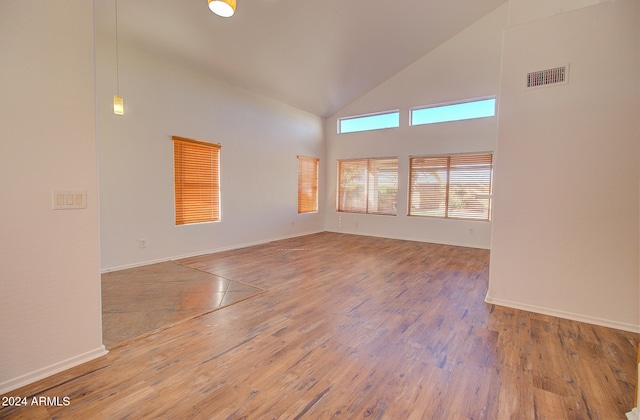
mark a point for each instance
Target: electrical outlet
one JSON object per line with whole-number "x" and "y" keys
{"x": 142, "y": 243}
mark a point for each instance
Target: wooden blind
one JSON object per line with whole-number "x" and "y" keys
{"x": 368, "y": 186}
{"x": 307, "y": 184}
{"x": 197, "y": 181}
{"x": 456, "y": 186}
{"x": 352, "y": 182}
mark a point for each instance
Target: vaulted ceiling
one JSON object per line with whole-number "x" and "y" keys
{"x": 317, "y": 56}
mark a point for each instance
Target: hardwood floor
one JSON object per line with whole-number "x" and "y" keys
{"x": 352, "y": 327}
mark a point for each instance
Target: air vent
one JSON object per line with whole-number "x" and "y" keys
{"x": 555, "y": 76}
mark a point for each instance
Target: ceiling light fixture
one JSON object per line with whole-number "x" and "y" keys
{"x": 224, "y": 8}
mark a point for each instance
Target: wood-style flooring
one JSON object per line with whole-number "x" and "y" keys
{"x": 354, "y": 327}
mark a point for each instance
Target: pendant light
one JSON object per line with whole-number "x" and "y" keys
{"x": 224, "y": 8}
{"x": 118, "y": 102}
{"x": 118, "y": 105}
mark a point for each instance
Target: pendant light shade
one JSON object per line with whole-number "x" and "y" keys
{"x": 224, "y": 8}
{"x": 118, "y": 105}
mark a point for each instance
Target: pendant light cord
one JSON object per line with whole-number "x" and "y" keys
{"x": 117, "y": 54}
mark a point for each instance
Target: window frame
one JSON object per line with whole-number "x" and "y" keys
{"x": 196, "y": 186}
{"x": 308, "y": 181}
{"x": 371, "y": 201}
{"x": 448, "y": 195}
{"x": 440, "y": 106}
{"x": 368, "y": 116}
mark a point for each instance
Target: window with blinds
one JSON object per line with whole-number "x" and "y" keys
{"x": 456, "y": 186}
{"x": 307, "y": 184}
{"x": 368, "y": 186}
{"x": 196, "y": 166}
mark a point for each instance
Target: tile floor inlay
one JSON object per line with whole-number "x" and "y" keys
{"x": 143, "y": 299}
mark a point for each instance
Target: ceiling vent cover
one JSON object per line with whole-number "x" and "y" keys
{"x": 554, "y": 76}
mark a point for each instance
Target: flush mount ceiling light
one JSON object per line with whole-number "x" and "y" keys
{"x": 224, "y": 8}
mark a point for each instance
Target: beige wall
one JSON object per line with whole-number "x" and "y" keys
{"x": 523, "y": 11}
{"x": 165, "y": 96}
{"x": 465, "y": 67}
{"x": 565, "y": 228}
{"x": 49, "y": 262}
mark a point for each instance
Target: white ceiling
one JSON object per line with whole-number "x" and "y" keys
{"x": 314, "y": 55}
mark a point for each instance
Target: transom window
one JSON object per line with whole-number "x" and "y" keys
{"x": 454, "y": 112}
{"x": 368, "y": 186}
{"x": 456, "y": 186}
{"x": 390, "y": 119}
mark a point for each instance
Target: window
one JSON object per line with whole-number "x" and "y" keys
{"x": 307, "y": 184}
{"x": 196, "y": 166}
{"x": 457, "y": 186}
{"x": 454, "y": 112}
{"x": 368, "y": 122}
{"x": 368, "y": 186}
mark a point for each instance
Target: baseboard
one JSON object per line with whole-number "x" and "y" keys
{"x": 635, "y": 328}
{"x": 47, "y": 371}
{"x": 264, "y": 241}
{"x": 408, "y": 238}
{"x": 203, "y": 252}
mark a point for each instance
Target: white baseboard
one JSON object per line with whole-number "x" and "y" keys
{"x": 635, "y": 328}
{"x": 203, "y": 252}
{"x": 47, "y": 371}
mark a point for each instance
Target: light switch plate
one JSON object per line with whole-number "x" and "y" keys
{"x": 66, "y": 199}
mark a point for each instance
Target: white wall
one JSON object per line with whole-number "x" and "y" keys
{"x": 260, "y": 142}
{"x": 467, "y": 66}
{"x": 49, "y": 260}
{"x": 566, "y": 182}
